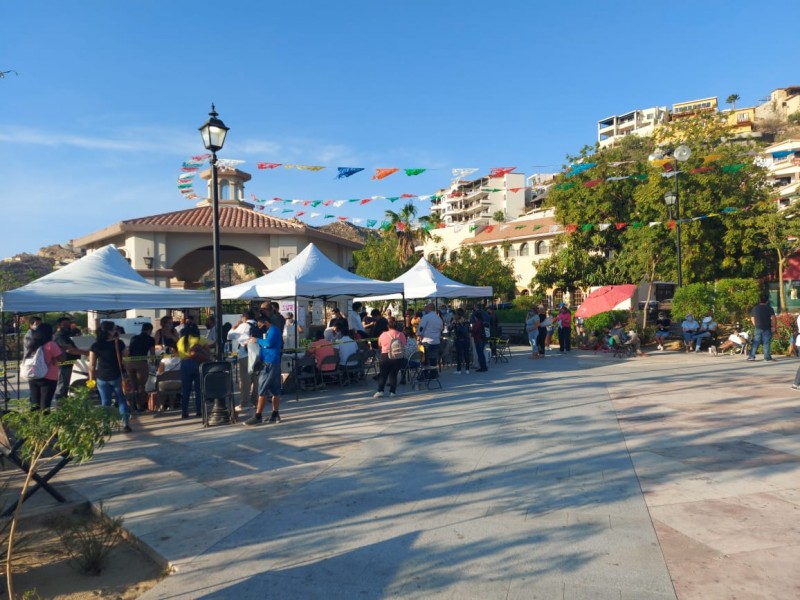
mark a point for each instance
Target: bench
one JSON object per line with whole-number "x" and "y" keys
{"x": 515, "y": 332}
{"x": 10, "y": 450}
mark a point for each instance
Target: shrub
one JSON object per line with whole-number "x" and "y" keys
{"x": 735, "y": 298}
{"x": 606, "y": 320}
{"x": 782, "y": 337}
{"x": 525, "y": 302}
{"x": 695, "y": 298}
{"x": 89, "y": 546}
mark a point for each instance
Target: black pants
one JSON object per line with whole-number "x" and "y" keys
{"x": 42, "y": 391}
{"x": 64, "y": 375}
{"x": 389, "y": 370}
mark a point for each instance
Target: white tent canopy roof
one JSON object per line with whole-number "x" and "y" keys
{"x": 423, "y": 280}
{"x": 100, "y": 281}
{"x": 310, "y": 274}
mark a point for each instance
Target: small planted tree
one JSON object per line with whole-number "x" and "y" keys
{"x": 695, "y": 298}
{"x": 75, "y": 429}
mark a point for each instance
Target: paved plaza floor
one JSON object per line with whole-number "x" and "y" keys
{"x": 576, "y": 476}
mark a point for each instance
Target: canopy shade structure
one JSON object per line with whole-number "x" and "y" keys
{"x": 101, "y": 281}
{"x": 606, "y": 298}
{"x": 310, "y": 274}
{"x": 423, "y": 280}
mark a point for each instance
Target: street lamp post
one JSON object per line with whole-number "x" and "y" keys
{"x": 213, "y": 133}
{"x": 673, "y": 198}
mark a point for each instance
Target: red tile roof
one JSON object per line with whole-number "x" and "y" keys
{"x": 231, "y": 218}
{"x": 515, "y": 230}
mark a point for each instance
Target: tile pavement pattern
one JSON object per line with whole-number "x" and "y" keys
{"x": 581, "y": 476}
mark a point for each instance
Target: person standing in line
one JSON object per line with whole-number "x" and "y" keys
{"x": 564, "y": 319}
{"x": 479, "y": 337}
{"x": 429, "y": 333}
{"x": 42, "y": 389}
{"x": 391, "y": 359}
{"x": 211, "y": 336}
{"x": 461, "y": 333}
{"x": 354, "y": 325}
{"x": 241, "y": 335}
{"x": 141, "y": 349}
{"x": 532, "y": 329}
{"x": 541, "y": 340}
{"x": 63, "y": 337}
{"x": 105, "y": 367}
{"x": 190, "y": 367}
{"x": 765, "y": 323}
{"x": 269, "y": 379}
{"x": 33, "y": 324}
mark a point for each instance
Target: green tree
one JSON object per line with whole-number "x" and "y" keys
{"x": 735, "y": 298}
{"x": 765, "y": 229}
{"x": 409, "y": 230}
{"x": 76, "y": 429}
{"x": 715, "y": 181}
{"x": 733, "y": 99}
{"x": 569, "y": 268}
{"x": 477, "y": 265}
{"x": 499, "y": 216}
{"x": 377, "y": 259}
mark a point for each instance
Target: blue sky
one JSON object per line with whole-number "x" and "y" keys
{"x": 109, "y": 95}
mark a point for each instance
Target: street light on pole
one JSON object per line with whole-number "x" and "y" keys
{"x": 213, "y": 133}
{"x": 672, "y": 198}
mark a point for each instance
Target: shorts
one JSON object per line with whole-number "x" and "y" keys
{"x": 662, "y": 333}
{"x": 269, "y": 380}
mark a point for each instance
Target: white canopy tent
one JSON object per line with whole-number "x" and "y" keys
{"x": 310, "y": 274}
{"x": 102, "y": 281}
{"x": 423, "y": 280}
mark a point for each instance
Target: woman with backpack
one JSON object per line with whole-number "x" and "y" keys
{"x": 105, "y": 367}
{"x": 43, "y": 356}
{"x": 392, "y": 345}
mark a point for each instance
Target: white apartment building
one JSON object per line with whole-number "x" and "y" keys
{"x": 476, "y": 201}
{"x": 782, "y": 160}
{"x": 637, "y": 122}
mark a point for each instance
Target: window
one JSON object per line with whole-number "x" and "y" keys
{"x": 578, "y": 296}
{"x": 558, "y": 296}
{"x": 543, "y": 247}
{"x": 523, "y": 249}
{"x": 454, "y": 256}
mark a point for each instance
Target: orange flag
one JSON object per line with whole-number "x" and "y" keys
{"x": 383, "y": 173}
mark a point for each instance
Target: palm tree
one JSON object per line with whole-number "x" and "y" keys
{"x": 733, "y": 99}
{"x": 409, "y": 230}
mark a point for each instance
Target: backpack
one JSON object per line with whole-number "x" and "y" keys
{"x": 396, "y": 349}
{"x": 34, "y": 367}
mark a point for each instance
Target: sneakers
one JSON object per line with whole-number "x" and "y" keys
{"x": 713, "y": 350}
{"x": 796, "y": 388}
{"x": 459, "y": 372}
{"x": 378, "y": 395}
{"x": 241, "y": 408}
{"x": 750, "y": 358}
{"x": 254, "y": 420}
{"x": 697, "y": 349}
{"x": 467, "y": 371}
{"x": 127, "y": 429}
{"x": 660, "y": 347}
{"x": 392, "y": 395}
{"x": 275, "y": 417}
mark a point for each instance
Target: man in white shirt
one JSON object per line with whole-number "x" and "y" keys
{"x": 354, "y": 320}
{"x": 241, "y": 334}
{"x": 429, "y": 332}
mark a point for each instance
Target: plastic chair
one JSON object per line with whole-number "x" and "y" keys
{"x": 216, "y": 383}
{"x": 168, "y": 389}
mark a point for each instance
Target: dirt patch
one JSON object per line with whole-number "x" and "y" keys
{"x": 44, "y": 566}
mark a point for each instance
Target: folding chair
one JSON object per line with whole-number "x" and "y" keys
{"x": 330, "y": 375}
{"x": 216, "y": 385}
{"x": 413, "y": 363}
{"x": 305, "y": 373}
{"x": 353, "y": 368}
{"x": 10, "y": 450}
{"x": 502, "y": 349}
{"x": 371, "y": 362}
{"x": 168, "y": 390}
{"x": 426, "y": 373}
